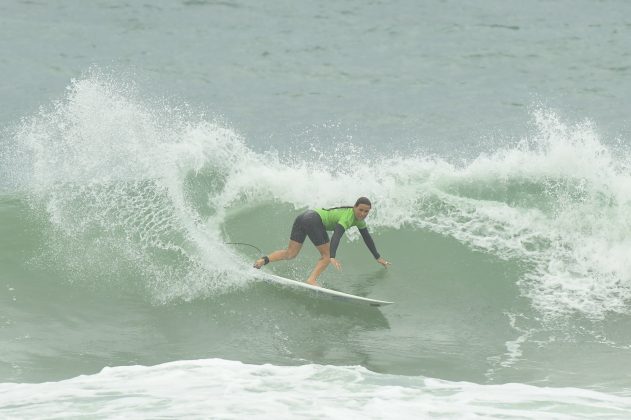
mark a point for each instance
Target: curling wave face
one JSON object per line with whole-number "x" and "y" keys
{"x": 146, "y": 187}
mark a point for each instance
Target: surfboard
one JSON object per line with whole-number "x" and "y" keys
{"x": 320, "y": 291}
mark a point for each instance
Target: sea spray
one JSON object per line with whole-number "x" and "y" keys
{"x": 108, "y": 171}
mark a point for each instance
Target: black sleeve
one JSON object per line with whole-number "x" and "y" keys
{"x": 369, "y": 242}
{"x": 335, "y": 240}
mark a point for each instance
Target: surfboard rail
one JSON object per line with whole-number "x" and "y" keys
{"x": 329, "y": 293}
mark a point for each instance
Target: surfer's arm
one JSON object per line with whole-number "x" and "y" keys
{"x": 335, "y": 239}
{"x": 369, "y": 242}
{"x": 371, "y": 246}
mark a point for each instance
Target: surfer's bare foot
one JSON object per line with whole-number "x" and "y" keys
{"x": 313, "y": 283}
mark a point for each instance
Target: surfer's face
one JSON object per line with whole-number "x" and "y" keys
{"x": 361, "y": 211}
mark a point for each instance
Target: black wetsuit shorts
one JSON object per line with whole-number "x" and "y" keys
{"x": 309, "y": 224}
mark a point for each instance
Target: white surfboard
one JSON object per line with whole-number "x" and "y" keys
{"x": 321, "y": 291}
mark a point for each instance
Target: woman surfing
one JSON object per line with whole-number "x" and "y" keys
{"x": 315, "y": 224}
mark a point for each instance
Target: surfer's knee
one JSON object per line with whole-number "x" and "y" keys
{"x": 290, "y": 254}
{"x": 325, "y": 251}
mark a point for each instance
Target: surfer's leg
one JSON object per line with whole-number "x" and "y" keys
{"x": 317, "y": 233}
{"x": 322, "y": 264}
{"x": 296, "y": 239}
{"x": 286, "y": 254}
{"x": 282, "y": 254}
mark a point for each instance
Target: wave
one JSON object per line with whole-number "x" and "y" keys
{"x": 142, "y": 189}
{"x": 227, "y": 389}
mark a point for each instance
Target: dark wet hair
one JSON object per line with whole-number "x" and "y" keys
{"x": 363, "y": 200}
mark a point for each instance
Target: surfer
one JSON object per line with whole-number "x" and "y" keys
{"x": 315, "y": 224}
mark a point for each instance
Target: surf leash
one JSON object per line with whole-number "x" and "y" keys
{"x": 243, "y": 243}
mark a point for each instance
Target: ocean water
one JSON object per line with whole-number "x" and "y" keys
{"x": 142, "y": 144}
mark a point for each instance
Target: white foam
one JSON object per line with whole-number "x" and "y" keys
{"x": 224, "y": 389}
{"x": 109, "y": 169}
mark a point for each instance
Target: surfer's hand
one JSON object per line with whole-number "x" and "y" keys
{"x": 336, "y": 264}
{"x": 383, "y": 262}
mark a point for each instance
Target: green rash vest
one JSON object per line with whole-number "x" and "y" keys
{"x": 345, "y": 217}
{"x": 342, "y": 215}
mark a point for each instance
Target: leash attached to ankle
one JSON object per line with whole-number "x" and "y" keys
{"x": 265, "y": 259}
